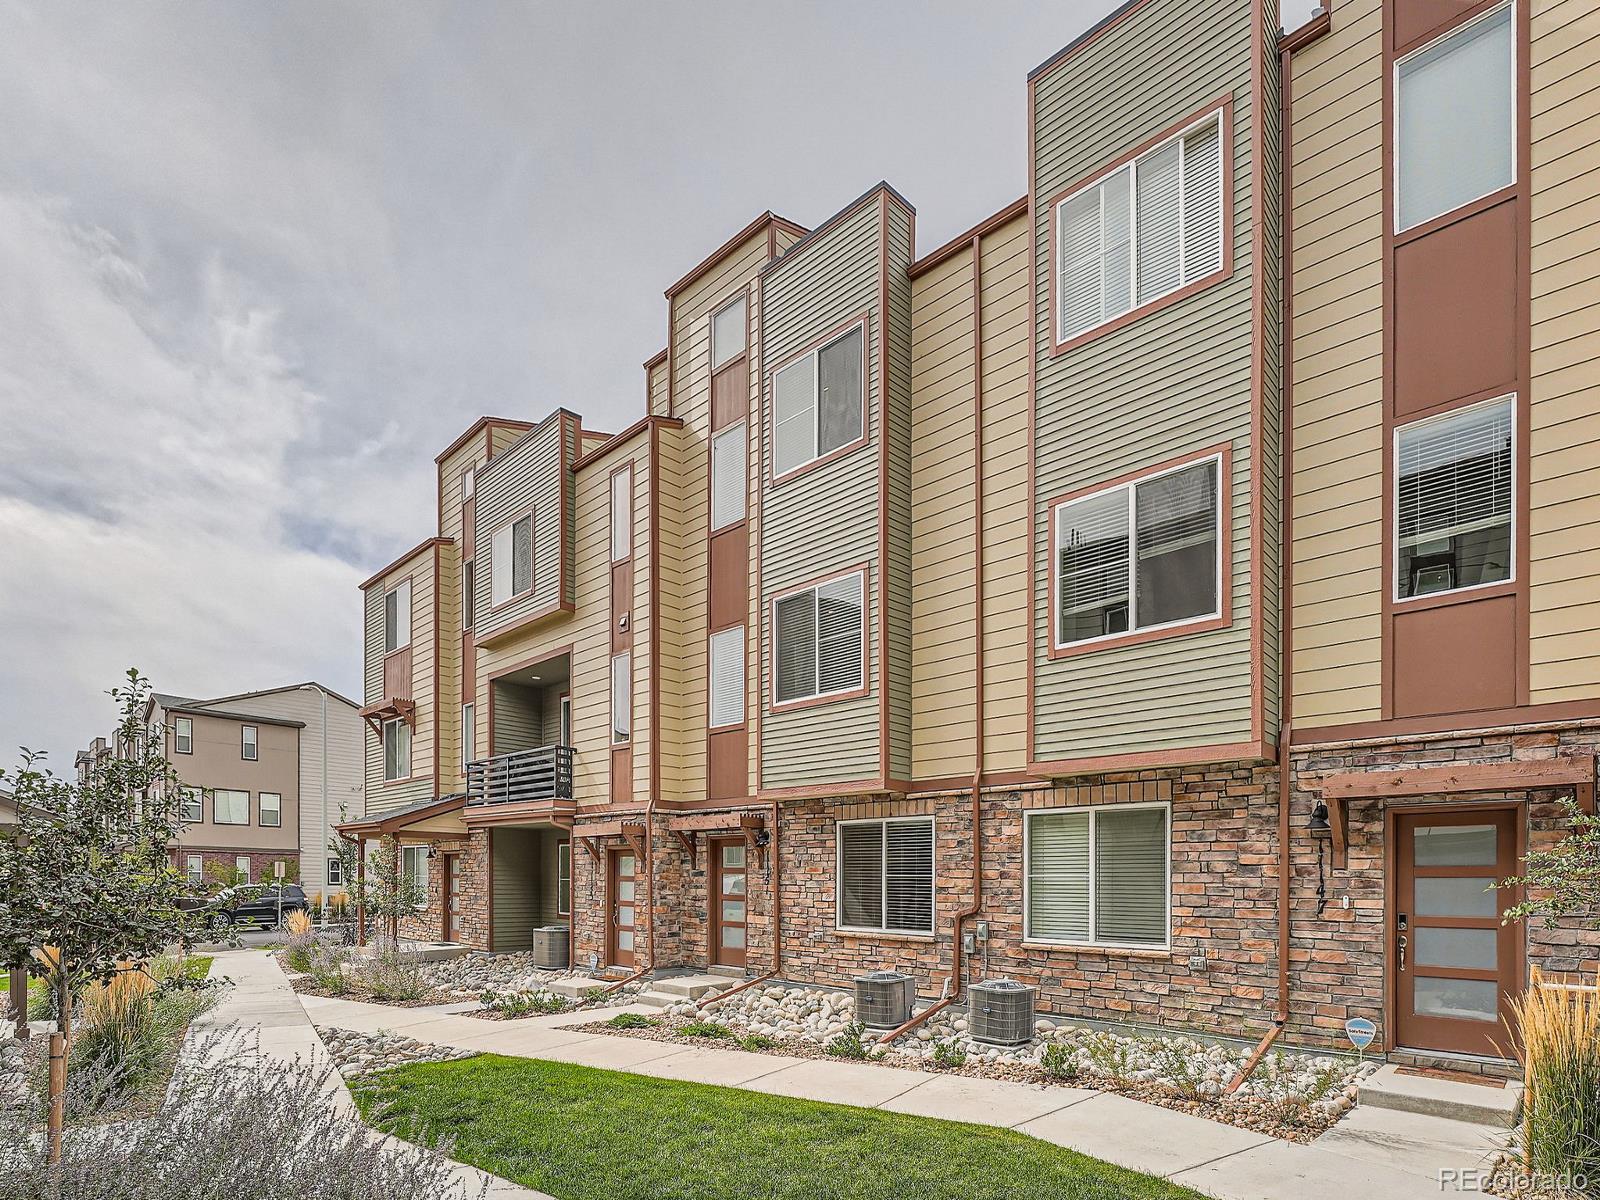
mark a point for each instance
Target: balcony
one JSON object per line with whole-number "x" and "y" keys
{"x": 540, "y": 775}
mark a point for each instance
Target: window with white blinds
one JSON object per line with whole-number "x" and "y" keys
{"x": 397, "y": 617}
{"x": 819, "y": 634}
{"x": 885, "y": 875}
{"x": 622, "y": 515}
{"x": 727, "y": 676}
{"x": 817, "y": 402}
{"x": 621, "y": 698}
{"x": 1098, "y": 876}
{"x": 727, "y": 333}
{"x": 727, "y": 477}
{"x": 511, "y": 560}
{"x": 1455, "y": 488}
{"x": 1141, "y": 232}
{"x": 1142, "y": 555}
{"x": 396, "y": 750}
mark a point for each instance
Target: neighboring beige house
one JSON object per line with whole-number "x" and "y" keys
{"x": 8, "y": 809}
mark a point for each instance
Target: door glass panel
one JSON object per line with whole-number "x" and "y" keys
{"x": 624, "y": 939}
{"x": 733, "y": 885}
{"x": 624, "y": 889}
{"x": 1456, "y": 898}
{"x": 625, "y": 865}
{"x": 733, "y": 937}
{"x": 1457, "y": 846}
{"x": 733, "y": 910}
{"x": 1473, "y": 949}
{"x": 625, "y": 914}
{"x": 1462, "y": 999}
{"x": 733, "y": 856}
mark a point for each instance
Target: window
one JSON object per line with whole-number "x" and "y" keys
{"x": 335, "y": 877}
{"x": 469, "y": 733}
{"x": 230, "y": 807}
{"x": 820, "y": 636}
{"x": 190, "y": 809}
{"x": 271, "y": 810}
{"x": 469, "y": 485}
{"x": 469, "y": 597}
{"x": 194, "y": 868}
{"x": 563, "y": 879}
{"x": 249, "y": 743}
{"x": 816, "y": 402}
{"x": 396, "y": 750}
{"x": 397, "y": 617}
{"x": 566, "y": 720}
{"x": 241, "y": 868}
{"x": 183, "y": 735}
{"x": 621, "y": 698}
{"x": 727, "y": 676}
{"x": 1097, "y": 876}
{"x": 1142, "y": 555}
{"x": 727, "y": 477}
{"x": 1453, "y": 500}
{"x": 414, "y": 868}
{"x": 886, "y": 875}
{"x": 1455, "y": 119}
{"x": 622, "y": 515}
{"x": 1141, "y": 232}
{"x": 511, "y": 560}
{"x": 727, "y": 333}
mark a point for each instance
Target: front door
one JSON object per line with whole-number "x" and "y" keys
{"x": 726, "y": 896}
{"x": 623, "y": 868}
{"x": 1455, "y": 966}
{"x": 452, "y": 897}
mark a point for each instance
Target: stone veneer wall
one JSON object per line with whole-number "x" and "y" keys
{"x": 428, "y": 925}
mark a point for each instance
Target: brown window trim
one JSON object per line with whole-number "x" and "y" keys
{"x": 533, "y": 581}
{"x": 864, "y": 321}
{"x": 410, "y": 580}
{"x": 1223, "y": 451}
{"x": 774, "y": 705}
{"x": 741, "y": 295}
{"x": 611, "y": 520}
{"x": 1222, "y": 104}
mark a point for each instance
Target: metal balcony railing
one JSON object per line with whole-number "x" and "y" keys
{"x": 541, "y": 773}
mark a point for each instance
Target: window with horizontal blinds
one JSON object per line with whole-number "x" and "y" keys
{"x": 621, "y": 698}
{"x": 396, "y": 750}
{"x": 794, "y": 415}
{"x": 1141, "y": 555}
{"x": 511, "y": 560}
{"x": 727, "y": 676}
{"x": 727, "y": 333}
{"x": 886, "y": 875}
{"x": 839, "y": 366}
{"x": 1455, "y": 488}
{"x": 727, "y": 477}
{"x": 818, "y": 401}
{"x": 397, "y": 617}
{"x": 1142, "y": 231}
{"x": 622, "y": 515}
{"x": 1098, "y": 875}
{"x": 819, "y": 634}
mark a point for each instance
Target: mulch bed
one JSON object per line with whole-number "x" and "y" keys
{"x": 1288, "y": 1122}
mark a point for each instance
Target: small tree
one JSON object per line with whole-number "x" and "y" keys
{"x": 1565, "y": 879}
{"x": 385, "y": 892}
{"x": 86, "y": 872}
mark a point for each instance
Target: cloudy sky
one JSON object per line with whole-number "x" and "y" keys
{"x": 260, "y": 262}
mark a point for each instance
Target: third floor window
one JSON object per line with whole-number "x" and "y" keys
{"x": 249, "y": 743}
{"x": 727, "y": 333}
{"x": 817, "y": 402}
{"x": 511, "y": 560}
{"x": 397, "y": 617}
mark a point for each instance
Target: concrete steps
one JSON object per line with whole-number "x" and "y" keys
{"x": 1493, "y": 1102}
{"x": 574, "y": 986}
{"x": 673, "y": 989}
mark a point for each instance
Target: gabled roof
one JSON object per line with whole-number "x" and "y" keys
{"x": 288, "y": 687}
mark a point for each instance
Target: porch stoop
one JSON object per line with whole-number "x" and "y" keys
{"x": 574, "y": 986}
{"x": 673, "y": 989}
{"x": 1495, "y": 1102}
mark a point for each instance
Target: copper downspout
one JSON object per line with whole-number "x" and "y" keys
{"x": 777, "y": 926}
{"x": 972, "y": 909}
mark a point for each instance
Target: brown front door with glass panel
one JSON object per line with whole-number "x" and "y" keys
{"x": 623, "y": 870}
{"x": 726, "y": 895}
{"x": 1454, "y": 966}
{"x": 452, "y": 897}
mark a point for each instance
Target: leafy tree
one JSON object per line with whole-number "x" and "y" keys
{"x": 85, "y": 876}
{"x": 1564, "y": 880}
{"x": 386, "y": 892}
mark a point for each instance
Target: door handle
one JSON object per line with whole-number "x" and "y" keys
{"x": 1403, "y": 943}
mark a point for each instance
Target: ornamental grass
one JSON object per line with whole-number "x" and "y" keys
{"x": 1560, "y": 1024}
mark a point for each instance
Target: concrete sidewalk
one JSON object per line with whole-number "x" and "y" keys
{"x": 1218, "y": 1160}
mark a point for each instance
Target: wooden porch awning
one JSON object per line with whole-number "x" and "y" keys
{"x": 419, "y": 821}
{"x": 389, "y": 710}
{"x": 1575, "y": 771}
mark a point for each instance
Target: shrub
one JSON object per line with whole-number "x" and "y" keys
{"x": 1181, "y": 1066}
{"x": 1110, "y": 1055}
{"x": 950, "y": 1053}
{"x": 301, "y": 941}
{"x": 633, "y": 1021}
{"x": 326, "y": 968}
{"x": 849, "y": 1043}
{"x": 523, "y": 1004}
{"x": 705, "y": 1029}
{"x": 388, "y": 973}
{"x": 757, "y": 1042}
{"x": 1561, "y": 1040}
{"x": 1059, "y": 1061}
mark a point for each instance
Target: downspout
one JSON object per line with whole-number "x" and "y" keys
{"x": 953, "y": 990}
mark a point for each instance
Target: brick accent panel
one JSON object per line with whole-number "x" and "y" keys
{"x": 261, "y": 871}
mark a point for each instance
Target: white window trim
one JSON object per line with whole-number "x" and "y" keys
{"x": 1394, "y": 510}
{"x": 1027, "y": 877}
{"x": 741, "y": 428}
{"x": 611, "y": 516}
{"x": 742, "y": 298}
{"x": 241, "y": 864}
{"x": 194, "y": 868}
{"x": 1394, "y": 133}
{"x": 261, "y": 810}
{"x": 564, "y": 895}
{"x": 182, "y": 728}
{"x": 1225, "y": 145}
{"x": 510, "y": 562}
{"x": 564, "y": 721}
{"x": 815, "y": 353}
{"x": 838, "y": 876}
{"x": 744, "y": 698}
{"x": 1135, "y": 629}
{"x": 772, "y": 616}
{"x": 402, "y": 621}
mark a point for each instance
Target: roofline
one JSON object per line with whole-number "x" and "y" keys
{"x": 1083, "y": 39}
{"x": 848, "y": 210}
{"x": 656, "y": 359}
{"x": 476, "y": 428}
{"x": 425, "y": 544}
{"x": 383, "y": 823}
{"x": 627, "y": 435}
{"x": 534, "y": 430}
{"x": 288, "y": 687}
{"x": 1319, "y": 23}
{"x": 224, "y": 714}
{"x": 744, "y": 235}
{"x": 958, "y": 243}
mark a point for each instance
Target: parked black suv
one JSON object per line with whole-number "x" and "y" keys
{"x": 254, "y": 904}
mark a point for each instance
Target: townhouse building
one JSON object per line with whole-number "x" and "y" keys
{"x": 1177, "y": 592}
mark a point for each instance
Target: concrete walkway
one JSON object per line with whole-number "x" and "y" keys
{"x": 1215, "y": 1159}
{"x": 262, "y": 1014}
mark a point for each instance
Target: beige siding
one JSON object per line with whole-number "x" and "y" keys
{"x": 1172, "y": 382}
{"x": 528, "y": 475}
{"x": 897, "y": 427}
{"x": 382, "y": 796}
{"x": 656, "y": 390}
{"x": 1564, "y": 443}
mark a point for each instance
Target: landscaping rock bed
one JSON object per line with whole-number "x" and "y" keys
{"x": 473, "y": 973}
{"x": 363, "y": 1053}
{"x": 540, "y": 1002}
{"x": 1290, "y": 1095}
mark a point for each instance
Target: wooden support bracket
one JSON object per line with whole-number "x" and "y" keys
{"x": 592, "y": 847}
{"x": 686, "y": 840}
{"x": 633, "y": 833}
{"x": 752, "y": 824}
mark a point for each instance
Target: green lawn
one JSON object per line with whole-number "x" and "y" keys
{"x": 584, "y": 1134}
{"x": 198, "y": 966}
